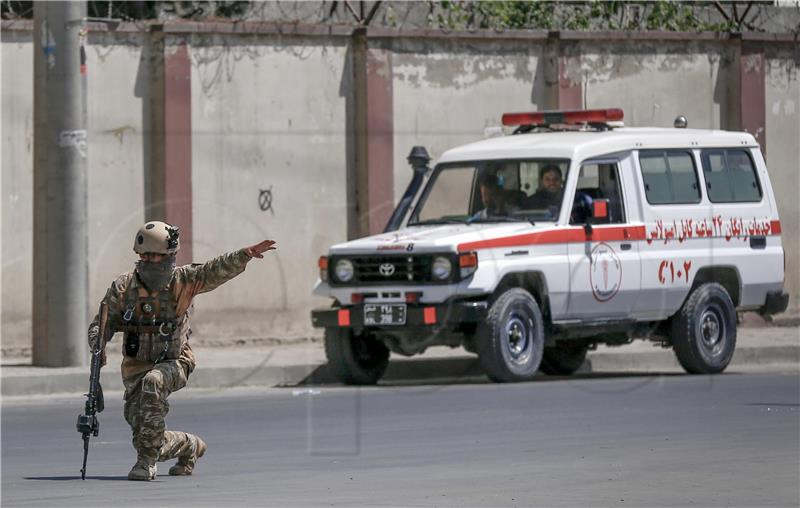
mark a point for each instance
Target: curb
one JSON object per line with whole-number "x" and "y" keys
{"x": 74, "y": 380}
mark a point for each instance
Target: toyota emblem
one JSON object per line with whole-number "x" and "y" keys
{"x": 386, "y": 269}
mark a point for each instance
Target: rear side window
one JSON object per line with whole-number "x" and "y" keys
{"x": 730, "y": 176}
{"x": 669, "y": 177}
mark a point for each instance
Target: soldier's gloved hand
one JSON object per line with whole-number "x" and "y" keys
{"x": 257, "y": 250}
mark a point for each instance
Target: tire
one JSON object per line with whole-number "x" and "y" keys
{"x": 511, "y": 340}
{"x": 564, "y": 359}
{"x": 704, "y": 330}
{"x": 355, "y": 359}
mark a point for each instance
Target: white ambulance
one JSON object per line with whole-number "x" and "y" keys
{"x": 530, "y": 249}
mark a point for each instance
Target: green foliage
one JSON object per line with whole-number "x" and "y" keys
{"x": 655, "y": 15}
{"x": 662, "y": 15}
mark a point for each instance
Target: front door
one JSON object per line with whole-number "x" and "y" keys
{"x": 605, "y": 277}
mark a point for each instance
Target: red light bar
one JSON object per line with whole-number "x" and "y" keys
{"x": 577, "y": 116}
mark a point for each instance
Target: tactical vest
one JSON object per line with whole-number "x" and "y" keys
{"x": 153, "y": 329}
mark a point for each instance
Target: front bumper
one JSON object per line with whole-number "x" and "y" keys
{"x": 777, "y": 302}
{"x": 448, "y": 315}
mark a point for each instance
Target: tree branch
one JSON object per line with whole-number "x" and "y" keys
{"x": 371, "y": 13}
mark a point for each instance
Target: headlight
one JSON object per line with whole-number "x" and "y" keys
{"x": 344, "y": 270}
{"x": 442, "y": 268}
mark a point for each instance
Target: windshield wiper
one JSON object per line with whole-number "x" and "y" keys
{"x": 430, "y": 222}
{"x": 495, "y": 218}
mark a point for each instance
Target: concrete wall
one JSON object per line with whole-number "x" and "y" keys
{"x": 115, "y": 169}
{"x": 783, "y": 154}
{"x": 274, "y": 112}
{"x": 267, "y": 115}
{"x": 653, "y": 82}
{"x": 446, "y": 93}
{"x": 16, "y": 51}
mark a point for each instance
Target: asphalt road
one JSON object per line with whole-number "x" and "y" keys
{"x": 678, "y": 440}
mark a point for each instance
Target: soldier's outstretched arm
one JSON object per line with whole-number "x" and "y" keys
{"x": 210, "y": 275}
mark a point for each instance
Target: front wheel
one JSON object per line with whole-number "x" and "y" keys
{"x": 355, "y": 359}
{"x": 511, "y": 340}
{"x": 704, "y": 330}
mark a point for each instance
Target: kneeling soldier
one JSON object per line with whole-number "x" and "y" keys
{"x": 150, "y": 305}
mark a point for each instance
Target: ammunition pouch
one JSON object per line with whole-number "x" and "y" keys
{"x": 153, "y": 342}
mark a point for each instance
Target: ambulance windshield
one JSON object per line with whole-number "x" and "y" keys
{"x": 493, "y": 191}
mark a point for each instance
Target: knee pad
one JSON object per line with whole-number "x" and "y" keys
{"x": 153, "y": 383}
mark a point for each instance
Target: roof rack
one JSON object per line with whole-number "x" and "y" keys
{"x": 600, "y": 119}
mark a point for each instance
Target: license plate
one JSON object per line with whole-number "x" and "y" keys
{"x": 387, "y": 314}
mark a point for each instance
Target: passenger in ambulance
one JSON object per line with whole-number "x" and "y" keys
{"x": 548, "y": 195}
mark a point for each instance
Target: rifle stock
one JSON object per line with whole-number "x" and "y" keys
{"x": 88, "y": 424}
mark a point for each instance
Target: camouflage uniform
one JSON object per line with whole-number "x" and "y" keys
{"x": 158, "y": 358}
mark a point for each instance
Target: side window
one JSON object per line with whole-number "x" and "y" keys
{"x": 744, "y": 181}
{"x": 730, "y": 176}
{"x": 598, "y": 181}
{"x": 669, "y": 177}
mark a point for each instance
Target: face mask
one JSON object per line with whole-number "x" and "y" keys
{"x": 156, "y": 276}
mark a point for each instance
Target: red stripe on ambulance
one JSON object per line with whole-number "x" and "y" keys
{"x": 566, "y": 235}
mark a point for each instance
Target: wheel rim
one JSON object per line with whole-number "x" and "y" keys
{"x": 711, "y": 330}
{"x": 518, "y": 339}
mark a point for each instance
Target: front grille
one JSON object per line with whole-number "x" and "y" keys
{"x": 392, "y": 269}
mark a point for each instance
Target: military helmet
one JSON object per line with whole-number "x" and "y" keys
{"x": 158, "y": 237}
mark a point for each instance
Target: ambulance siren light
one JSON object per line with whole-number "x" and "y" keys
{"x": 580, "y": 116}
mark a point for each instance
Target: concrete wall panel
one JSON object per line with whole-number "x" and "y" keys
{"x": 115, "y": 168}
{"x": 268, "y": 117}
{"x": 16, "y": 191}
{"x": 446, "y": 94}
{"x": 117, "y": 80}
{"x": 783, "y": 156}
{"x": 653, "y": 82}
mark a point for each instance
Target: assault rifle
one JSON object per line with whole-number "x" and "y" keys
{"x": 88, "y": 424}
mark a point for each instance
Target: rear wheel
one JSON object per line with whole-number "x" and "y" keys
{"x": 563, "y": 359}
{"x": 511, "y": 340}
{"x": 355, "y": 359}
{"x": 704, "y": 330}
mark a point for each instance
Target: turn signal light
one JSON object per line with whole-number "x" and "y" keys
{"x": 468, "y": 263}
{"x": 323, "y": 268}
{"x": 413, "y": 296}
{"x": 356, "y": 298}
{"x": 580, "y": 116}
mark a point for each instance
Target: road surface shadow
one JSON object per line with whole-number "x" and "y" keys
{"x": 76, "y": 477}
{"x": 461, "y": 370}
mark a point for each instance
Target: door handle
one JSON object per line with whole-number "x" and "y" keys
{"x": 625, "y": 246}
{"x": 758, "y": 242}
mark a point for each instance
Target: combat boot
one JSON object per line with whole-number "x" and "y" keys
{"x": 144, "y": 470}
{"x": 186, "y": 462}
